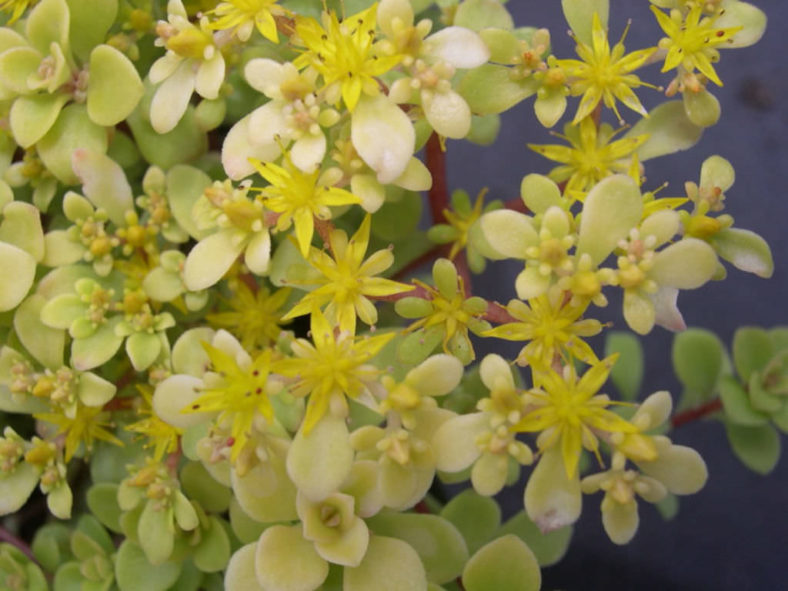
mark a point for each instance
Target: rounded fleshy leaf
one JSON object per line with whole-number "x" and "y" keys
{"x": 265, "y": 493}
{"x": 172, "y": 97}
{"x": 115, "y": 87}
{"x": 639, "y": 311}
{"x": 389, "y": 565}
{"x": 175, "y": 393}
{"x": 45, "y": 344}
{"x": 758, "y": 448}
{"x": 752, "y": 350}
{"x": 17, "y": 65}
{"x": 698, "y": 358}
{"x": 241, "y": 143}
{"x": 481, "y": 14}
{"x": 611, "y": 209}
{"x": 31, "y": 117}
{"x": 507, "y": 233}
{"x": 375, "y": 118}
{"x": 388, "y": 10}
{"x": 737, "y": 405}
{"x": 620, "y": 521}
{"x": 476, "y": 517}
{"x": 745, "y": 250}
{"x": 496, "y": 373}
{"x": 189, "y": 355}
{"x": 73, "y": 130}
{"x": 448, "y": 113}
{"x": 90, "y": 23}
{"x": 258, "y": 253}
{"x": 94, "y": 390}
{"x": 437, "y": 375}
{"x": 489, "y": 89}
{"x": 552, "y": 499}
{"x": 48, "y": 23}
{"x": 143, "y": 348}
{"x": 751, "y": 19}
{"x": 131, "y": 561}
{"x": 548, "y": 547}
{"x": 663, "y": 225}
{"x": 240, "y": 574}
{"x": 702, "y": 108}
{"x": 285, "y": 560}
{"x": 580, "y": 16}
{"x": 104, "y": 183}
{"x": 627, "y": 373}
{"x": 686, "y": 264}
{"x": 213, "y": 552}
{"x": 96, "y": 349}
{"x": 505, "y": 563}
{"x": 185, "y": 184}
{"x": 212, "y": 257}
{"x": 681, "y": 469}
{"x": 539, "y": 193}
{"x": 489, "y": 473}
{"x": 18, "y": 264}
{"x": 16, "y": 486}
{"x": 60, "y": 250}
{"x": 318, "y": 463}
{"x": 158, "y": 539}
{"x": 669, "y": 130}
{"x": 454, "y": 442}
{"x": 459, "y": 46}
{"x": 185, "y": 143}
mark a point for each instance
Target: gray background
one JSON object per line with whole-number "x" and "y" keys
{"x": 732, "y": 535}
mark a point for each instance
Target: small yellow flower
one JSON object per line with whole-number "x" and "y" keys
{"x": 16, "y": 8}
{"x": 692, "y": 41}
{"x": 299, "y": 197}
{"x": 161, "y": 436}
{"x": 462, "y": 221}
{"x": 333, "y": 367}
{"x": 345, "y": 53}
{"x": 88, "y": 425}
{"x": 237, "y": 394}
{"x": 346, "y": 280}
{"x": 591, "y": 156}
{"x": 244, "y": 15}
{"x": 255, "y": 318}
{"x": 569, "y": 411}
{"x": 552, "y": 327}
{"x": 605, "y": 74}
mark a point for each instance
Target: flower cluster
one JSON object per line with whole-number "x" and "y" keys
{"x": 211, "y": 244}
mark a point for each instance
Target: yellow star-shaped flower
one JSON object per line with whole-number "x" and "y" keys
{"x": 346, "y": 280}
{"x": 331, "y": 367}
{"x": 568, "y": 411}
{"x": 345, "y": 53}
{"x": 591, "y": 156}
{"x": 299, "y": 197}
{"x": 602, "y": 74}
{"x": 692, "y": 41}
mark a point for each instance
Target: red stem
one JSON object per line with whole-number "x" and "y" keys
{"x": 436, "y": 164}
{"x": 19, "y": 544}
{"x": 516, "y": 203}
{"x": 498, "y": 314}
{"x": 693, "y": 414}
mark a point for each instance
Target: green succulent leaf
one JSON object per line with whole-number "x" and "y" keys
{"x": 745, "y": 250}
{"x": 752, "y": 350}
{"x": 737, "y": 405}
{"x": 130, "y": 563}
{"x": 31, "y": 117}
{"x": 439, "y": 543}
{"x": 45, "y": 344}
{"x": 482, "y": 14}
{"x": 51, "y": 545}
{"x": 240, "y": 574}
{"x": 90, "y": 23}
{"x": 476, "y": 517}
{"x": 16, "y": 487}
{"x": 627, "y": 373}
{"x": 48, "y": 23}
{"x": 115, "y": 87}
{"x": 389, "y": 565}
{"x": 285, "y": 560}
{"x": 213, "y": 552}
{"x": 669, "y": 130}
{"x": 102, "y": 500}
{"x": 504, "y": 563}
{"x": 580, "y": 16}
{"x": 73, "y": 130}
{"x": 698, "y": 360}
{"x": 758, "y": 448}
{"x": 490, "y": 90}
{"x": 548, "y": 547}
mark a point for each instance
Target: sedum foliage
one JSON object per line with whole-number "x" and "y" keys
{"x": 217, "y": 365}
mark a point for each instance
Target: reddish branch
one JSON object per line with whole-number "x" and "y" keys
{"x": 19, "y": 544}
{"x": 696, "y": 413}
{"x": 439, "y": 193}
